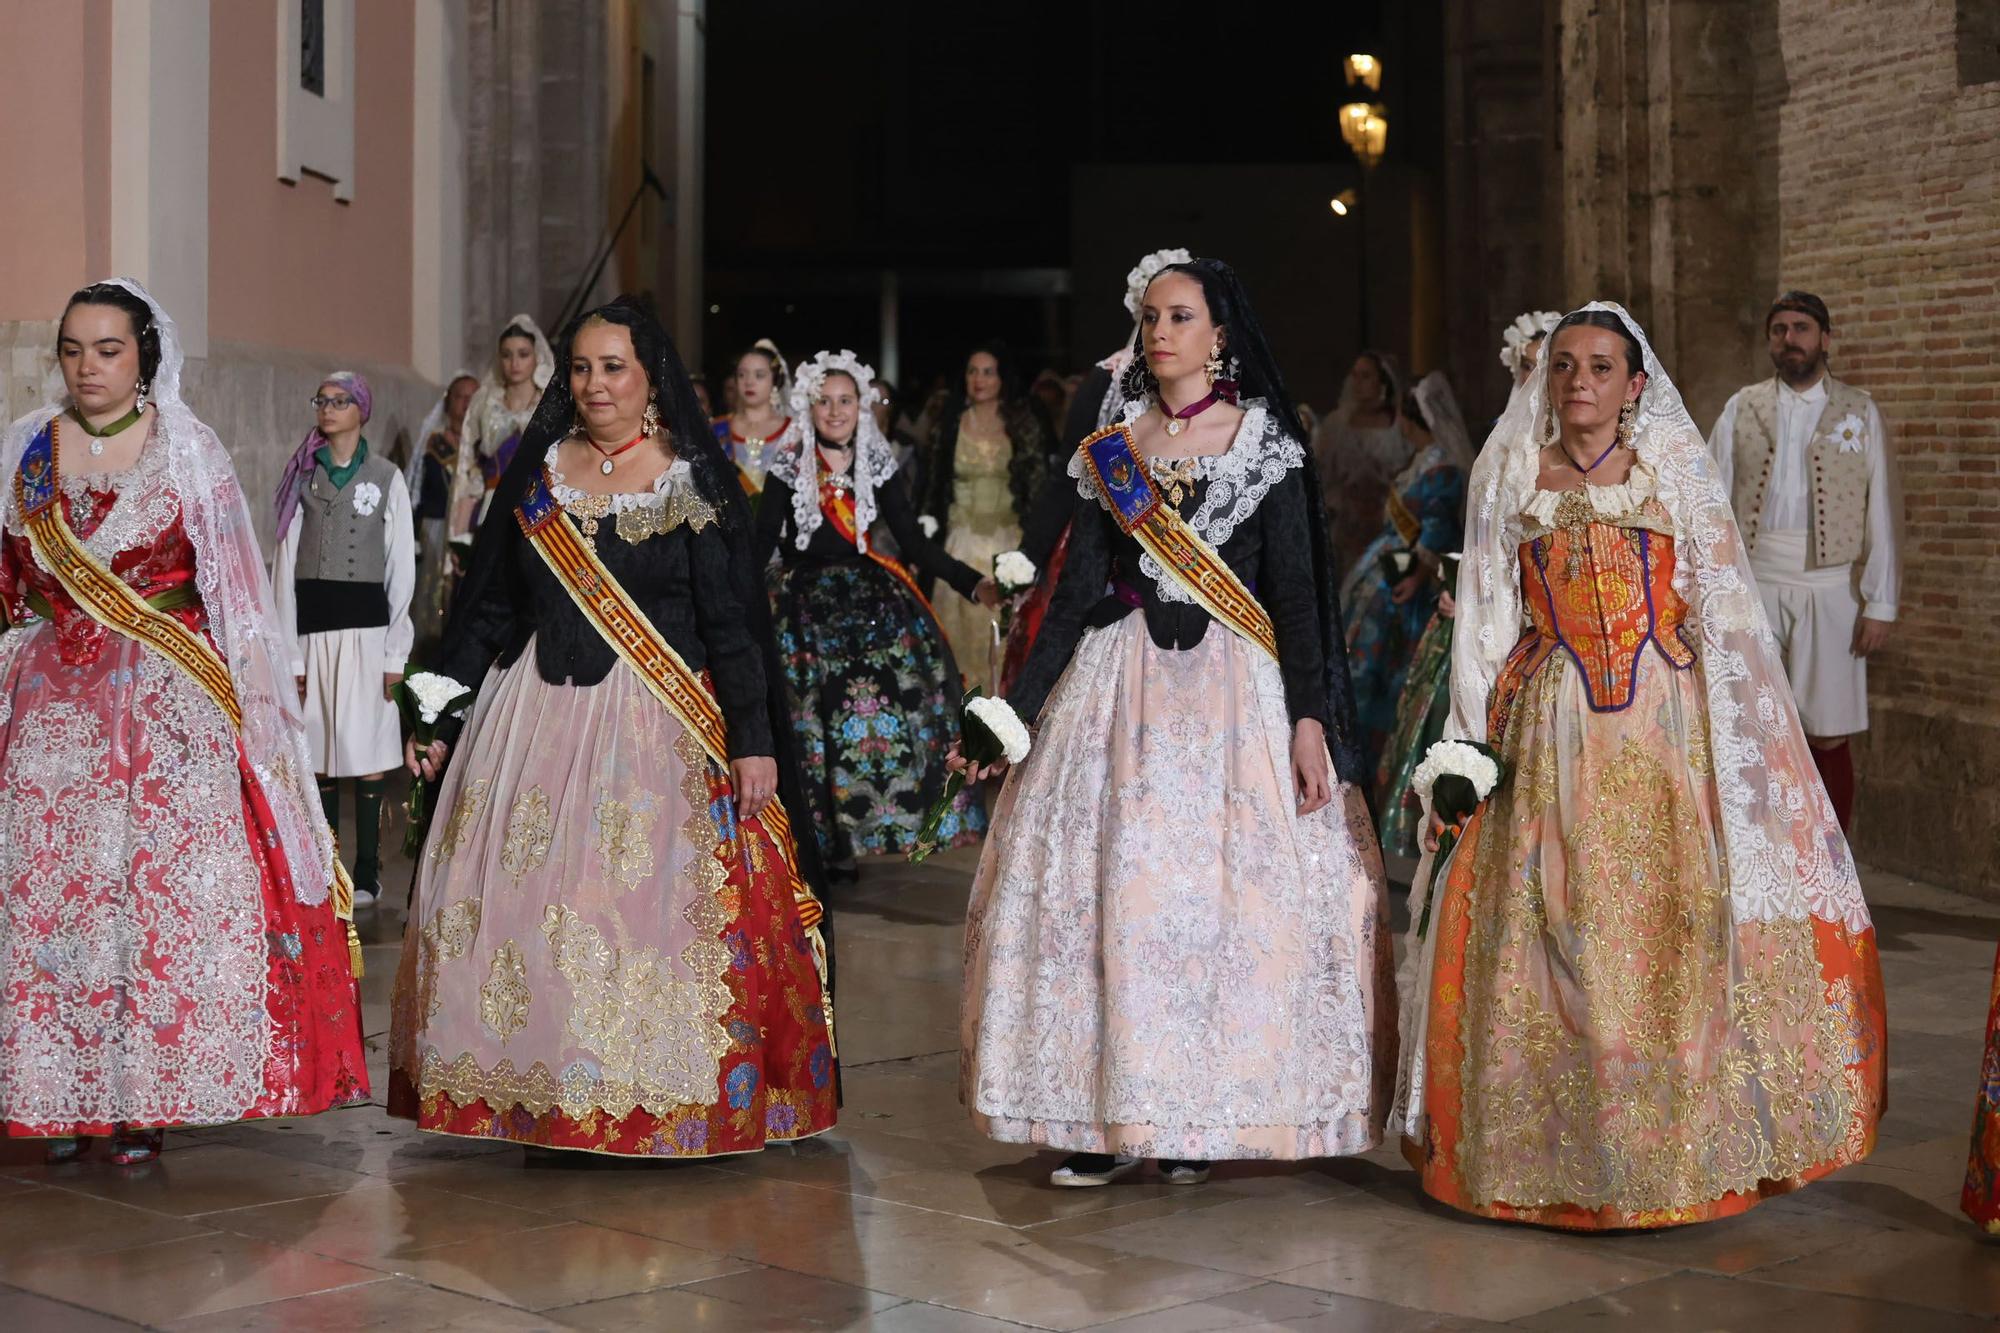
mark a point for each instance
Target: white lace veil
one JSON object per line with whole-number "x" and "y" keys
{"x": 488, "y": 399}
{"x": 796, "y": 462}
{"x": 1447, "y": 424}
{"x": 229, "y": 574}
{"x": 434, "y": 421}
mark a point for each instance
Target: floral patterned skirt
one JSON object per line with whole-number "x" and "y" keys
{"x": 1981, "y": 1199}
{"x": 1162, "y": 957}
{"x": 1420, "y": 719}
{"x": 599, "y": 957}
{"x": 159, "y": 969}
{"x": 1606, "y": 1045}
{"x": 875, "y": 697}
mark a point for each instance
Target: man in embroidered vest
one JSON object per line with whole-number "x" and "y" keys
{"x": 1807, "y": 463}
{"x": 343, "y": 578}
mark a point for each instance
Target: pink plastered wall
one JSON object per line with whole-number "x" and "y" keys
{"x": 289, "y": 266}
{"x": 54, "y": 168}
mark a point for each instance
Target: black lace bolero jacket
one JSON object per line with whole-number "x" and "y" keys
{"x": 680, "y": 578}
{"x": 1251, "y": 504}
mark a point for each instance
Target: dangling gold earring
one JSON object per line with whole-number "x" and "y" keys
{"x": 1626, "y": 416}
{"x": 576, "y": 426}
{"x": 649, "y": 425}
{"x": 1549, "y": 424}
{"x": 1212, "y": 367}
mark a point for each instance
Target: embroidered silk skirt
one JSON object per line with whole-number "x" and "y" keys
{"x": 159, "y": 969}
{"x": 599, "y": 957}
{"x": 1606, "y": 1045}
{"x": 874, "y": 695}
{"x": 1162, "y": 957}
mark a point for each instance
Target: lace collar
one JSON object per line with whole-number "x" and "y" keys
{"x": 1236, "y": 481}
{"x": 1606, "y": 502}
{"x": 677, "y": 480}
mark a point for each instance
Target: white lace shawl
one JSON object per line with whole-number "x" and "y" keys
{"x": 1238, "y": 480}
{"x": 235, "y": 593}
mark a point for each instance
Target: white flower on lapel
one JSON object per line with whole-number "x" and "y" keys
{"x": 366, "y": 496}
{"x": 1848, "y": 433}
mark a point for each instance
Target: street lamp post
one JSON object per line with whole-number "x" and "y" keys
{"x": 1364, "y": 127}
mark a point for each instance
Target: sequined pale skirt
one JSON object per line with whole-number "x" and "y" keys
{"x": 971, "y": 629}
{"x": 1606, "y": 1046}
{"x": 596, "y": 959}
{"x": 1162, "y": 957}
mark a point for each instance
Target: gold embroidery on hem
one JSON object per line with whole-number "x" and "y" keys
{"x": 505, "y": 998}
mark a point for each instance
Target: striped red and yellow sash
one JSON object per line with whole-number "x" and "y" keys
{"x": 1145, "y": 515}
{"x": 838, "y": 507}
{"x": 639, "y": 643}
{"x": 116, "y": 605}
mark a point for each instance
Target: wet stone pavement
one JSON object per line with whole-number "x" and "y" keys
{"x": 904, "y": 1220}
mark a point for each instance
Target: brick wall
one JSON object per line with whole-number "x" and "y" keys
{"x": 1889, "y": 203}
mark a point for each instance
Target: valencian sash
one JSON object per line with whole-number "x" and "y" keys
{"x": 1408, "y": 526}
{"x": 837, "y": 506}
{"x": 636, "y": 640}
{"x": 1143, "y": 513}
{"x": 114, "y": 604}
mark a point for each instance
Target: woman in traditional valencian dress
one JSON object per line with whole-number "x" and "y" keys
{"x": 1176, "y": 945}
{"x": 170, "y": 946}
{"x": 1359, "y": 450}
{"x": 873, "y": 688}
{"x": 1387, "y": 610}
{"x": 1647, "y": 992}
{"x": 427, "y": 475}
{"x": 1425, "y": 705}
{"x": 989, "y": 457}
{"x": 749, "y": 435}
{"x": 498, "y": 414}
{"x": 612, "y": 947}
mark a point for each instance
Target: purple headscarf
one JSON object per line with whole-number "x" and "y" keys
{"x": 298, "y": 471}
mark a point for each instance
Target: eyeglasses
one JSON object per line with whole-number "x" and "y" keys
{"x": 339, "y": 402}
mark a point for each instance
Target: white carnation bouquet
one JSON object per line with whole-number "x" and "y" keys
{"x": 1014, "y": 572}
{"x": 989, "y": 730}
{"x": 425, "y": 698}
{"x": 1452, "y": 781}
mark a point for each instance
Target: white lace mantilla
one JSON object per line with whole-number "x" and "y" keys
{"x": 1238, "y": 479}
{"x": 144, "y": 503}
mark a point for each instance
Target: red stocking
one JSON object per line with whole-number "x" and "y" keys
{"x": 1836, "y": 770}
